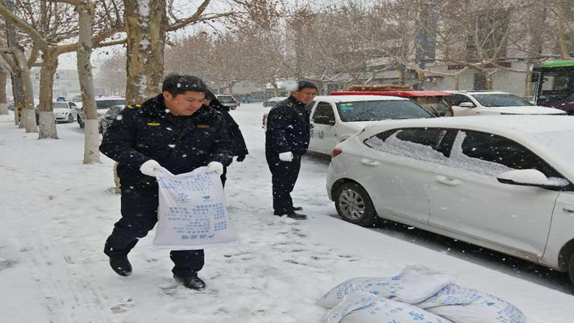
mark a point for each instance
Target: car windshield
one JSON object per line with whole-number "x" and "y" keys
{"x": 380, "y": 110}
{"x": 59, "y": 105}
{"x": 106, "y": 104}
{"x": 501, "y": 100}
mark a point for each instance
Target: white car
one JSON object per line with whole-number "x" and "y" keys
{"x": 470, "y": 103}
{"x": 64, "y": 111}
{"x": 335, "y": 118}
{"x": 500, "y": 182}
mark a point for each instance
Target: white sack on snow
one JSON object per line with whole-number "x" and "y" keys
{"x": 368, "y": 308}
{"x": 413, "y": 285}
{"x": 466, "y": 305}
{"x": 192, "y": 213}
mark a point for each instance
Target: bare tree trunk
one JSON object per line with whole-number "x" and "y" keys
{"x": 146, "y": 23}
{"x": 18, "y": 95}
{"x": 489, "y": 82}
{"x": 17, "y": 61}
{"x": 457, "y": 82}
{"x": 12, "y": 41}
{"x": 28, "y": 117}
{"x": 47, "y": 117}
{"x": 562, "y": 39}
{"x": 3, "y": 98}
{"x": 91, "y": 134}
{"x": 528, "y": 83}
{"x": 275, "y": 88}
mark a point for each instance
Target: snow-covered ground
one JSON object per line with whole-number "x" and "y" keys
{"x": 56, "y": 213}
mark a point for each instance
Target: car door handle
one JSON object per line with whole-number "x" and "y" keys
{"x": 569, "y": 209}
{"x": 370, "y": 162}
{"x": 447, "y": 181}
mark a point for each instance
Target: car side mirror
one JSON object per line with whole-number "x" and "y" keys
{"x": 324, "y": 120}
{"x": 467, "y": 105}
{"x": 440, "y": 114}
{"x": 531, "y": 177}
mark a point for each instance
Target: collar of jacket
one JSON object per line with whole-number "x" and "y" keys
{"x": 155, "y": 106}
{"x": 295, "y": 101}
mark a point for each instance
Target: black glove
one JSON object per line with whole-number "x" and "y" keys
{"x": 240, "y": 158}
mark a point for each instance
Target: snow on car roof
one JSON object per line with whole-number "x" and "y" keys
{"x": 549, "y": 135}
{"x": 476, "y": 92}
{"x": 355, "y": 98}
{"x": 496, "y": 123}
{"x": 104, "y": 98}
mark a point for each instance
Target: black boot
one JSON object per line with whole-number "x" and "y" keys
{"x": 297, "y": 208}
{"x": 297, "y": 216}
{"x": 192, "y": 282}
{"x": 121, "y": 265}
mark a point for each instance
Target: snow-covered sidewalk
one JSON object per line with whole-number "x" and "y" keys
{"x": 57, "y": 212}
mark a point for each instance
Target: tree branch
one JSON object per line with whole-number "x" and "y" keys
{"x": 192, "y": 19}
{"x": 34, "y": 54}
{"x": 22, "y": 25}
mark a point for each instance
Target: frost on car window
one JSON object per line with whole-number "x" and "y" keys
{"x": 460, "y": 160}
{"x": 397, "y": 144}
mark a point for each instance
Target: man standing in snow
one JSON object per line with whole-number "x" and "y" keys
{"x": 286, "y": 140}
{"x": 173, "y": 130}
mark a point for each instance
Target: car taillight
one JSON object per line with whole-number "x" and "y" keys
{"x": 336, "y": 152}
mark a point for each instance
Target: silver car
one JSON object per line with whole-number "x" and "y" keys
{"x": 228, "y": 101}
{"x": 501, "y": 182}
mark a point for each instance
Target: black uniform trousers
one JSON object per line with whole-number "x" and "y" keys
{"x": 283, "y": 178}
{"x": 139, "y": 216}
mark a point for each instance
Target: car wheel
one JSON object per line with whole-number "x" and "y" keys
{"x": 571, "y": 269}
{"x": 354, "y": 205}
{"x": 70, "y": 118}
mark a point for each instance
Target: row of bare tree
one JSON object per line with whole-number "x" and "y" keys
{"x": 39, "y": 32}
{"x": 277, "y": 40}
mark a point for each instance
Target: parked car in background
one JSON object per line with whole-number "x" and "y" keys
{"x": 102, "y": 106}
{"x": 109, "y": 117}
{"x": 469, "y": 103}
{"x": 433, "y": 101}
{"x": 271, "y": 102}
{"x": 228, "y": 101}
{"x": 64, "y": 111}
{"x": 335, "y": 118}
{"x": 504, "y": 183}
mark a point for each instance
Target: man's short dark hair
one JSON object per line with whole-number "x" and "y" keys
{"x": 305, "y": 85}
{"x": 178, "y": 84}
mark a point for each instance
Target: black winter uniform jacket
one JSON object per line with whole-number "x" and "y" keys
{"x": 179, "y": 144}
{"x": 288, "y": 128}
{"x": 235, "y": 132}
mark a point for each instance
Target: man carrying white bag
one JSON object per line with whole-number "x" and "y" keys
{"x": 192, "y": 213}
{"x": 175, "y": 131}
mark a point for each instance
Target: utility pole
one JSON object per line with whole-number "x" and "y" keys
{"x": 17, "y": 91}
{"x": 425, "y": 39}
